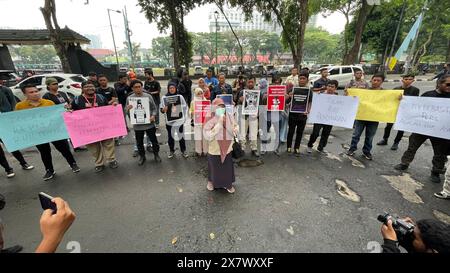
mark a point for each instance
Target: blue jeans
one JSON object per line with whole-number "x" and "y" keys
{"x": 283, "y": 127}
{"x": 371, "y": 129}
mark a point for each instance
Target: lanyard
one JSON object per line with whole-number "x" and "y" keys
{"x": 95, "y": 100}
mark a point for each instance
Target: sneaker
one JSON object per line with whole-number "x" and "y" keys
{"x": 289, "y": 150}
{"x": 14, "y": 249}
{"x": 135, "y": 153}
{"x": 49, "y": 175}
{"x": 10, "y": 173}
{"x": 435, "y": 178}
{"x": 171, "y": 155}
{"x": 142, "y": 160}
{"x": 368, "y": 156}
{"x": 401, "y": 167}
{"x": 75, "y": 168}
{"x": 322, "y": 151}
{"x": 210, "y": 186}
{"x": 99, "y": 169}
{"x": 309, "y": 150}
{"x": 113, "y": 164}
{"x": 231, "y": 190}
{"x": 149, "y": 148}
{"x": 277, "y": 152}
{"x": 157, "y": 158}
{"x": 263, "y": 152}
{"x": 297, "y": 152}
{"x": 442, "y": 195}
{"x": 382, "y": 142}
{"x": 185, "y": 154}
{"x": 351, "y": 152}
{"x": 255, "y": 153}
{"x": 27, "y": 167}
{"x": 394, "y": 147}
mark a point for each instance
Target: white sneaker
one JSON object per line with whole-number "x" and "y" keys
{"x": 309, "y": 150}
{"x": 442, "y": 195}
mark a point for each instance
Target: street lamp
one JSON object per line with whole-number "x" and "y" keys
{"x": 216, "y": 16}
{"x": 112, "y": 33}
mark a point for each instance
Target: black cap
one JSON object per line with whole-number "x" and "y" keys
{"x": 92, "y": 73}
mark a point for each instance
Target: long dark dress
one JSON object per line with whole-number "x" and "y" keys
{"x": 221, "y": 174}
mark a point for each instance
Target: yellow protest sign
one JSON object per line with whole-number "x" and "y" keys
{"x": 377, "y": 105}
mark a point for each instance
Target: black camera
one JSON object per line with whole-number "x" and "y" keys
{"x": 403, "y": 229}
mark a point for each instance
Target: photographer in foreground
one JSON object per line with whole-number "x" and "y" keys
{"x": 425, "y": 236}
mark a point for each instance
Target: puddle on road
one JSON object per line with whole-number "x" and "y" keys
{"x": 407, "y": 186}
{"x": 333, "y": 157}
{"x": 346, "y": 192}
{"x": 442, "y": 216}
{"x": 248, "y": 163}
{"x": 355, "y": 162}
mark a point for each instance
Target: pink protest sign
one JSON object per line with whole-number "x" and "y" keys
{"x": 95, "y": 124}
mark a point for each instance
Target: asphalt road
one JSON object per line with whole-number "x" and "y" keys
{"x": 288, "y": 204}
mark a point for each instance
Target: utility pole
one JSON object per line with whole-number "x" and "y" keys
{"x": 128, "y": 34}
{"x": 216, "y": 15}
{"x": 395, "y": 36}
{"x": 114, "y": 40}
{"x": 408, "y": 63}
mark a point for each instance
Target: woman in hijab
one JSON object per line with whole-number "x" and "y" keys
{"x": 220, "y": 131}
{"x": 206, "y": 91}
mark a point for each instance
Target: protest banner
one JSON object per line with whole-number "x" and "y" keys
{"x": 426, "y": 116}
{"x": 174, "y": 108}
{"x": 333, "y": 110}
{"x": 300, "y": 100}
{"x": 95, "y": 124}
{"x": 228, "y": 100}
{"x": 275, "y": 98}
{"x": 140, "y": 113}
{"x": 27, "y": 128}
{"x": 201, "y": 111}
{"x": 251, "y": 102}
{"x": 377, "y": 105}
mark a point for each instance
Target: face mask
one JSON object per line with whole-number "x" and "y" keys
{"x": 220, "y": 112}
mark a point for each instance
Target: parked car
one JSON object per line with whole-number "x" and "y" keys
{"x": 198, "y": 71}
{"x": 9, "y": 78}
{"x": 285, "y": 69}
{"x": 271, "y": 70}
{"x": 259, "y": 69}
{"x": 223, "y": 69}
{"x": 343, "y": 74}
{"x": 69, "y": 83}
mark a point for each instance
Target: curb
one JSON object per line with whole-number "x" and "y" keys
{"x": 417, "y": 80}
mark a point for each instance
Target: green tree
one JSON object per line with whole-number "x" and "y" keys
{"x": 161, "y": 48}
{"x": 322, "y": 46}
{"x": 136, "y": 47}
{"x": 35, "y": 54}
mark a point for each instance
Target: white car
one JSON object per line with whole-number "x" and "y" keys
{"x": 68, "y": 83}
{"x": 198, "y": 71}
{"x": 343, "y": 74}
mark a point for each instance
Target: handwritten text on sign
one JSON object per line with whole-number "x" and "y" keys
{"x": 95, "y": 124}
{"x": 377, "y": 105}
{"x": 333, "y": 110}
{"x": 26, "y": 128}
{"x": 427, "y": 116}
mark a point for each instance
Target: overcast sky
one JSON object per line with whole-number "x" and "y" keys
{"x": 93, "y": 19}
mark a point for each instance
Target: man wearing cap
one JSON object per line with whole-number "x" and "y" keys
{"x": 34, "y": 100}
{"x": 53, "y": 94}
{"x": 321, "y": 84}
{"x": 7, "y": 104}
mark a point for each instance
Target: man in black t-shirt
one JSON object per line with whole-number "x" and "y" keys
{"x": 153, "y": 87}
{"x": 108, "y": 92}
{"x": 409, "y": 90}
{"x": 53, "y": 94}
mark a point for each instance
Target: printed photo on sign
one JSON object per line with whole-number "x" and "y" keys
{"x": 300, "y": 100}
{"x": 228, "y": 100}
{"x": 251, "y": 102}
{"x": 276, "y": 98}
{"x": 201, "y": 111}
{"x": 174, "y": 107}
{"x": 140, "y": 113}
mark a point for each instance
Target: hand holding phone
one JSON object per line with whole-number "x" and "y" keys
{"x": 46, "y": 202}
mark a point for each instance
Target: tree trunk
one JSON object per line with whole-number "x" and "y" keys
{"x": 352, "y": 56}
{"x": 175, "y": 43}
{"x": 186, "y": 61}
{"x": 422, "y": 51}
{"x": 49, "y": 13}
{"x": 347, "y": 23}
{"x": 290, "y": 42}
{"x": 301, "y": 30}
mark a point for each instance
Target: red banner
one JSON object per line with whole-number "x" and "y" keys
{"x": 201, "y": 110}
{"x": 276, "y": 98}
